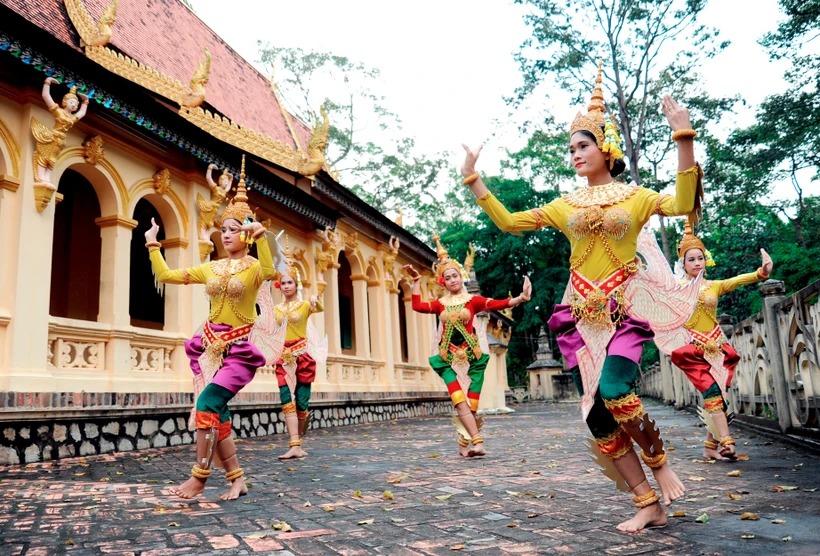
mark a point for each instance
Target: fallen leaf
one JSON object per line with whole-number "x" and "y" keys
{"x": 151, "y": 481}
{"x": 281, "y": 494}
{"x": 120, "y": 473}
{"x": 735, "y": 473}
{"x": 256, "y": 537}
{"x": 778, "y": 521}
{"x": 783, "y": 488}
{"x": 168, "y": 482}
{"x": 173, "y": 524}
{"x": 393, "y": 480}
{"x": 434, "y": 456}
{"x": 291, "y": 469}
{"x": 387, "y": 495}
{"x": 747, "y": 536}
{"x": 316, "y": 480}
{"x": 677, "y": 514}
{"x": 743, "y": 457}
{"x": 733, "y": 496}
{"x": 397, "y": 520}
{"x": 750, "y": 516}
{"x": 329, "y": 508}
{"x": 457, "y": 547}
{"x": 366, "y": 522}
{"x": 357, "y": 494}
{"x": 69, "y": 542}
{"x": 512, "y": 493}
{"x": 697, "y": 479}
{"x": 513, "y": 525}
{"x": 391, "y": 509}
{"x": 787, "y": 539}
{"x": 670, "y": 448}
{"x": 533, "y": 515}
{"x": 282, "y": 526}
{"x": 810, "y": 489}
{"x": 702, "y": 518}
{"x": 444, "y": 497}
{"x": 83, "y": 473}
{"x": 307, "y": 504}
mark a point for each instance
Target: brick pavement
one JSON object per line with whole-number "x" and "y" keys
{"x": 536, "y": 494}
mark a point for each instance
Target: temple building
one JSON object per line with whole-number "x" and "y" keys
{"x": 111, "y": 114}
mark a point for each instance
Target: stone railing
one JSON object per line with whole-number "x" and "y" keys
{"x": 777, "y": 382}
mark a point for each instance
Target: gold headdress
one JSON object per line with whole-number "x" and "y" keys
{"x": 290, "y": 266}
{"x": 445, "y": 263}
{"x": 238, "y": 208}
{"x": 72, "y": 93}
{"x": 595, "y": 121}
{"x": 691, "y": 241}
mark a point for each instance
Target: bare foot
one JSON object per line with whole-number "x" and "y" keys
{"x": 464, "y": 451}
{"x": 477, "y": 451}
{"x": 728, "y": 452}
{"x": 711, "y": 453}
{"x": 237, "y": 489}
{"x": 191, "y": 488}
{"x": 294, "y": 452}
{"x": 671, "y": 487}
{"x": 651, "y": 516}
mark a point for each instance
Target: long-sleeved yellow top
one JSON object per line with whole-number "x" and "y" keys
{"x": 619, "y": 210}
{"x": 705, "y": 317}
{"x": 231, "y": 284}
{"x": 297, "y": 313}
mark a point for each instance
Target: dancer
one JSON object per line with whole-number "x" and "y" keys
{"x": 223, "y": 357}
{"x": 709, "y": 361}
{"x": 461, "y": 358}
{"x": 298, "y": 352}
{"x": 606, "y": 316}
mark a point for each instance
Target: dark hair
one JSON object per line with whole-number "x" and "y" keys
{"x": 618, "y": 166}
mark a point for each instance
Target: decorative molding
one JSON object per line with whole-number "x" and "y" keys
{"x": 173, "y": 242}
{"x": 93, "y": 149}
{"x": 205, "y": 249}
{"x": 115, "y": 220}
{"x": 307, "y": 164}
{"x": 162, "y": 181}
{"x": 358, "y": 278}
{"x": 9, "y": 183}
{"x": 11, "y": 144}
{"x": 92, "y": 33}
{"x": 43, "y": 192}
{"x": 351, "y": 241}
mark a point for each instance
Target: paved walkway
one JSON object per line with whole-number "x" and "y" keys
{"x": 536, "y": 494}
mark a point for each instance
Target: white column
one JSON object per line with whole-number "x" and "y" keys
{"x": 361, "y": 320}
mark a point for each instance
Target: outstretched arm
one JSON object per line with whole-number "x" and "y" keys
{"x": 83, "y": 107}
{"x": 487, "y": 304}
{"x": 47, "y": 93}
{"x": 209, "y": 177}
{"x": 185, "y": 276}
{"x": 506, "y": 221}
{"x": 420, "y": 306}
{"x": 761, "y": 273}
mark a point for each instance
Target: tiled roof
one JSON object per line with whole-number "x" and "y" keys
{"x": 168, "y": 37}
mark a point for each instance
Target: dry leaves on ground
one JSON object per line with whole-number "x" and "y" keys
{"x": 735, "y": 473}
{"x": 780, "y": 488}
{"x": 387, "y": 495}
{"x": 282, "y": 526}
{"x": 366, "y": 522}
{"x": 750, "y": 516}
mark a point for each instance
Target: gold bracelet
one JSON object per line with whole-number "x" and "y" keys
{"x": 85, "y": 102}
{"x": 258, "y": 234}
{"x": 417, "y": 278}
{"x": 477, "y": 440}
{"x": 760, "y": 275}
{"x": 710, "y": 445}
{"x": 199, "y": 472}
{"x": 653, "y": 461}
{"x": 153, "y": 245}
{"x": 234, "y": 475}
{"x": 463, "y": 442}
{"x": 727, "y": 441}
{"x": 524, "y": 297}
{"x": 293, "y": 443}
{"x": 470, "y": 179}
{"x": 681, "y": 133}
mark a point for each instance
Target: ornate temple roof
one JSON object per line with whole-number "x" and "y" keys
{"x": 168, "y": 37}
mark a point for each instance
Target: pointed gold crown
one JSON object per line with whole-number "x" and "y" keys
{"x": 238, "y": 208}
{"x": 689, "y": 241}
{"x": 291, "y": 269}
{"x": 594, "y": 119}
{"x": 445, "y": 263}
{"x": 72, "y": 93}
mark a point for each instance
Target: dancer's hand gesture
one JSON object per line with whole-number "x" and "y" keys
{"x": 468, "y": 168}
{"x": 414, "y": 274}
{"x": 313, "y": 301}
{"x": 767, "y": 263}
{"x": 252, "y": 227}
{"x": 526, "y": 291}
{"x": 676, "y": 115}
{"x": 151, "y": 234}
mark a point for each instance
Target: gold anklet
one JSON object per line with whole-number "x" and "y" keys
{"x": 234, "y": 475}
{"x": 477, "y": 440}
{"x": 646, "y": 499}
{"x": 200, "y": 473}
{"x": 463, "y": 442}
{"x": 653, "y": 461}
{"x": 293, "y": 443}
{"x": 710, "y": 445}
{"x": 727, "y": 441}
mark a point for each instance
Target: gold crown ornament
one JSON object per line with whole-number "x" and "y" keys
{"x": 445, "y": 263}
{"x": 238, "y": 208}
{"x": 291, "y": 269}
{"x": 691, "y": 241}
{"x": 602, "y": 127}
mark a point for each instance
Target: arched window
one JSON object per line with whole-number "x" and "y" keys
{"x": 146, "y": 305}
{"x": 405, "y": 352}
{"x": 346, "y": 307}
{"x": 75, "y": 255}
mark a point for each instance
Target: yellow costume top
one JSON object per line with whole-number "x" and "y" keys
{"x": 231, "y": 284}
{"x": 615, "y": 213}
{"x": 705, "y": 317}
{"x": 297, "y": 313}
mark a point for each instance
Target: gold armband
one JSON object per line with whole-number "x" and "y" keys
{"x": 681, "y": 133}
{"x": 153, "y": 245}
{"x": 470, "y": 179}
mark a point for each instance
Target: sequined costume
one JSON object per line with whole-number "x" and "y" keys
{"x": 296, "y": 395}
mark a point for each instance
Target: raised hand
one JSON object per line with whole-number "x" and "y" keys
{"x": 151, "y": 234}
{"x": 676, "y": 115}
{"x": 313, "y": 301}
{"x": 527, "y": 289}
{"x": 468, "y": 168}
{"x": 414, "y": 274}
{"x": 767, "y": 263}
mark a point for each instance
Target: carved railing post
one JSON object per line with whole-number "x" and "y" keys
{"x": 772, "y": 292}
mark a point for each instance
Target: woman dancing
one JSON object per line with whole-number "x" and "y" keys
{"x": 460, "y": 360}
{"x": 223, "y": 359}
{"x": 709, "y": 361}
{"x": 598, "y": 327}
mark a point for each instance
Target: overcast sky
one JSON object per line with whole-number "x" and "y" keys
{"x": 446, "y": 64}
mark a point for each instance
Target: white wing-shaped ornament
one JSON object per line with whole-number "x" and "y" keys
{"x": 718, "y": 371}
{"x": 481, "y": 332}
{"x": 265, "y": 335}
{"x": 316, "y": 348}
{"x": 437, "y": 332}
{"x": 655, "y": 296}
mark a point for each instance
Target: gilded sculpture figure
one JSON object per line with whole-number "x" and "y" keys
{"x": 51, "y": 142}
{"x": 208, "y": 208}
